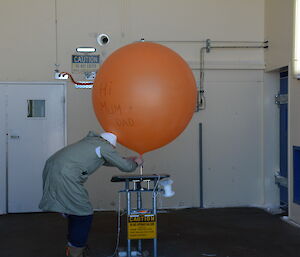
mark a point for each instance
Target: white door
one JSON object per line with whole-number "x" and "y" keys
{"x": 35, "y": 130}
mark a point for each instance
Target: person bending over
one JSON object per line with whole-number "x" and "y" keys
{"x": 64, "y": 175}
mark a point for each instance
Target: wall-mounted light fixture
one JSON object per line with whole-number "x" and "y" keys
{"x": 296, "y": 57}
{"x": 85, "y": 49}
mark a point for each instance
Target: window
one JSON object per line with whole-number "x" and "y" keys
{"x": 35, "y": 108}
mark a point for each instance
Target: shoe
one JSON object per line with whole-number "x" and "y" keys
{"x": 72, "y": 251}
{"x": 86, "y": 252}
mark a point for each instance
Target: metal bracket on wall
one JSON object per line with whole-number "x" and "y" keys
{"x": 58, "y": 75}
{"x": 281, "y": 99}
{"x": 208, "y": 45}
{"x": 90, "y": 75}
{"x": 280, "y": 180}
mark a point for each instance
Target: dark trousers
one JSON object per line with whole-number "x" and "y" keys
{"x": 78, "y": 229}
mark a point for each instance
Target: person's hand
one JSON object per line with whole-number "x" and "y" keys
{"x": 131, "y": 158}
{"x": 139, "y": 160}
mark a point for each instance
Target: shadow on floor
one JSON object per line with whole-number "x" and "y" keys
{"x": 228, "y": 232}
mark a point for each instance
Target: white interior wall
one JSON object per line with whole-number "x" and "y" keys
{"x": 232, "y": 139}
{"x": 279, "y": 24}
{"x": 194, "y": 20}
{"x": 153, "y": 21}
{"x": 233, "y": 131}
{"x": 27, "y": 40}
{"x": 228, "y": 176}
{"x": 2, "y": 153}
{"x": 279, "y": 33}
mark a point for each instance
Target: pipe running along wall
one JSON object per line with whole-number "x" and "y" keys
{"x": 201, "y": 101}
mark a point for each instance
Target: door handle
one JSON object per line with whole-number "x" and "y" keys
{"x": 14, "y": 137}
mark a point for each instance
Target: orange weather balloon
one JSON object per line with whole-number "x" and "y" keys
{"x": 145, "y": 93}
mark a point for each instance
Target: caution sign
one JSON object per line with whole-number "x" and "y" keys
{"x": 85, "y": 63}
{"x": 141, "y": 226}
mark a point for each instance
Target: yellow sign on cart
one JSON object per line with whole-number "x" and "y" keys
{"x": 142, "y": 226}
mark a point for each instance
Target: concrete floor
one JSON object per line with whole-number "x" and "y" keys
{"x": 232, "y": 232}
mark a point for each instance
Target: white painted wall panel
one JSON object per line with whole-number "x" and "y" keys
{"x": 196, "y": 20}
{"x": 232, "y": 140}
{"x": 24, "y": 25}
{"x": 233, "y": 156}
{"x": 270, "y": 138}
{"x": 2, "y": 151}
{"x": 279, "y": 33}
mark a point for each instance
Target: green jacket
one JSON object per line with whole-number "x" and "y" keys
{"x": 66, "y": 171}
